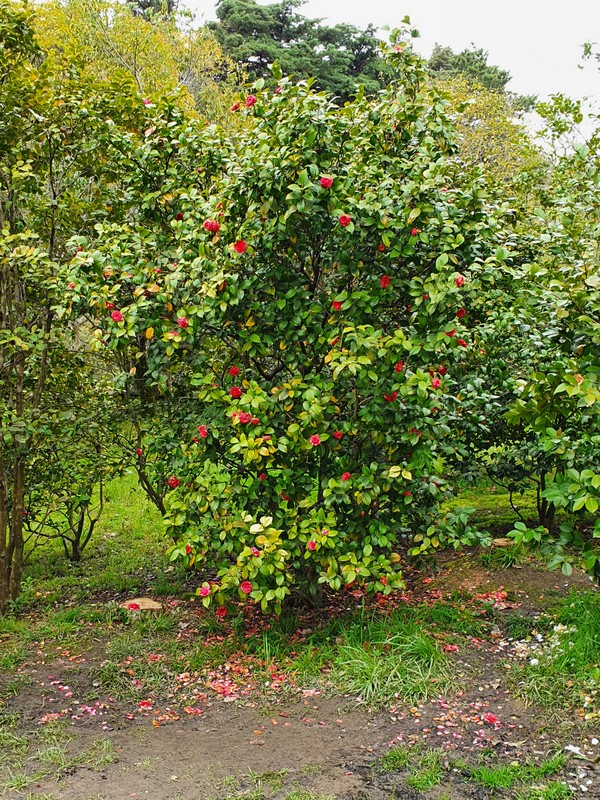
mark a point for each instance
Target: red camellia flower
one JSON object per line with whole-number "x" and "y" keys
{"x": 138, "y": 451}
{"x": 235, "y": 107}
{"x": 278, "y": 90}
{"x": 315, "y": 439}
{"x": 381, "y": 248}
{"x": 211, "y": 225}
{"x": 461, "y": 342}
{"x": 109, "y": 306}
{"x": 254, "y": 421}
{"x": 415, "y": 231}
{"x": 337, "y": 306}
{"x": 173, "y": 482}
{"x": 337, "y": 435}
{"x": 235, "y": 392}
{"x": 116, "y": 316}
{"x": 461, "y": 313}
{"x": 255, "y": 552}
{"x": 204, "y": 591}
{"x": 262, "y": 476}
{"x": 345, "y": 220}
{"x": 179, "y": 216}
{"x": 459, "y": 280}
{"x": 245, "y": 418}
{"x": 436, "y": 383}
{"x": 250, "y": 101}
{"x": 240, "y": 246}
{"x": 390, "y": 397}
{"x": 399, "y": 366}
{"x": 326, "y": 182}
{"x": 384, "y": 281}
{"x": 246, "y": 587}
{"x": 312, "y": 545}
{"x": 234, "y": 371}
{"x": 346, "y": 476}
{"x": 188, "y": 549}
{"x": 407, "y": 494}
{"x": 221, "y": 612}
{"x": 182, "y": 322}
{"x": 451, "y": 333}
{"x": 442, "y": 370}
{"x": 203, "y": 431}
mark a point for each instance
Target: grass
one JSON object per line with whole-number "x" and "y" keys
{"x": 506, "y": 776}
{"x": 386, "y": 660}
{"x": 424, "y": 769}
{"x": 566, "y": 673}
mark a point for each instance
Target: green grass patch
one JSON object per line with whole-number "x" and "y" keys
{"x": 565, "y": 671}
{"x": 507, "y": 776}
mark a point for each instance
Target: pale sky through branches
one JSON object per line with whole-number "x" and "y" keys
{"x": 538, "y": 41}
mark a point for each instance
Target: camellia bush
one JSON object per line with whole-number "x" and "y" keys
{"x": 301, "y": 292}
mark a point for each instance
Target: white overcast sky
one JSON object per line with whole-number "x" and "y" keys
{"x": 538, "y": 41}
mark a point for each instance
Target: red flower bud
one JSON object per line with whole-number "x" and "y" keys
{"x": 381, "y": 248}
{"x": 337, "y": 305}
{"x": 234, "y": 371}
{"x": 461, "y": 342}
{"x": 246, "y": 587}
{"x": 235, "y": 107}
{"x": 326, "y": 183}
{"x": 399, "y": 366}
{"x": 315, "y": 439}
{"x": 312, "y": 545}
{"x": 384, "y": 281}
{"x": 461, "y": 313}
{"x": 203, "y": 431}
{"x": 337, "y": 435}
{"x": 415, "y": 231}
{"x": 262, "y": 476}
{"x": 255, "y": 552}
{"x": 436, "y": 383}
{"x": 389, "y": 398}
{"x": 346, "y": 476}
{"x": 250, "y": 101}
{"x": 188, "y": 549}
{"x": 116, "y": 316}
{"x": 182, "y": 322}
{"x": 459, "y": 280}
{"x": 173, "y": 482}
{"x": 254, "y": 421}
{"x": 240, "y": 246}
{"x": 345, "y": 220}
{"x": 179, "y": 216}
{"x": 235, "y": 392}
{"x": 211, "y": 225}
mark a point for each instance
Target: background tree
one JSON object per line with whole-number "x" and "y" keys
{"x": 160, "y": 53}
{"x": 471, "y": 64}
{"x": 339, "y": 57}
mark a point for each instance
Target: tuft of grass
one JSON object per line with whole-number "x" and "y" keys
{"x": 506, "y": 776}
{"x": 428, "y": 774}
{"x": 404, "y": 664}
{"x": 396, "y": 759}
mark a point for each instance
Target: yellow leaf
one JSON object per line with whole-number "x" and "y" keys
{"x": 394, "y": 472}
{"x": 250, "y": 322}
{"x": 149, "y": 333}
{"x": 406, "y": 474}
